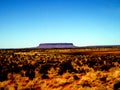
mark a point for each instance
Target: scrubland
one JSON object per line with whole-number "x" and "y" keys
{"x": 60, "y": 69}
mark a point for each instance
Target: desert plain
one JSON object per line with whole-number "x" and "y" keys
{"x": 86, "y": 68}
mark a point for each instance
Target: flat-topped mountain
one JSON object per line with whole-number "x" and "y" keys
{"x": 56, "y": 45}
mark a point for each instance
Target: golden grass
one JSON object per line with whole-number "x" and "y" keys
{"x": 59, "y": 69}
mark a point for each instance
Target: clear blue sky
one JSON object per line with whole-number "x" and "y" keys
{"x": 27, "y": 23}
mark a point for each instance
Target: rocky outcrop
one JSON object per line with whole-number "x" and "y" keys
{"x": 56, "y": 45}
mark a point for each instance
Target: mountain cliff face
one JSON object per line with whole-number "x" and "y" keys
{"x": 56, "y": 45}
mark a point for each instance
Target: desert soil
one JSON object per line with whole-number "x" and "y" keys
{"x": 29, "y": 69}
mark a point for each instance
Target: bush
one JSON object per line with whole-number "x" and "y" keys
{"x": 117, "y": 85}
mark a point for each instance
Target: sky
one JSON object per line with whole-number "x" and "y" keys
{"x": 27, "y": 23}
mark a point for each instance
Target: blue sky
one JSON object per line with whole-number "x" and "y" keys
{"x": 27, "y": 23}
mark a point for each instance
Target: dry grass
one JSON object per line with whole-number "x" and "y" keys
{"x": 59, "y": 70}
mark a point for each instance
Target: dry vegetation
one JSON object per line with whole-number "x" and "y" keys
{"x": 60, "y": 69}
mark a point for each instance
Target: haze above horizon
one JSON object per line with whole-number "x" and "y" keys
{"x": 27, "y": 23}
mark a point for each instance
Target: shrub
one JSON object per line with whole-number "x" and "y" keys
{"x": 117, "y": 85}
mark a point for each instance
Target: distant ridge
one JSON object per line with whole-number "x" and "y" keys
{"x": 64, "y": 45}
{"x": 56, "y": 45}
